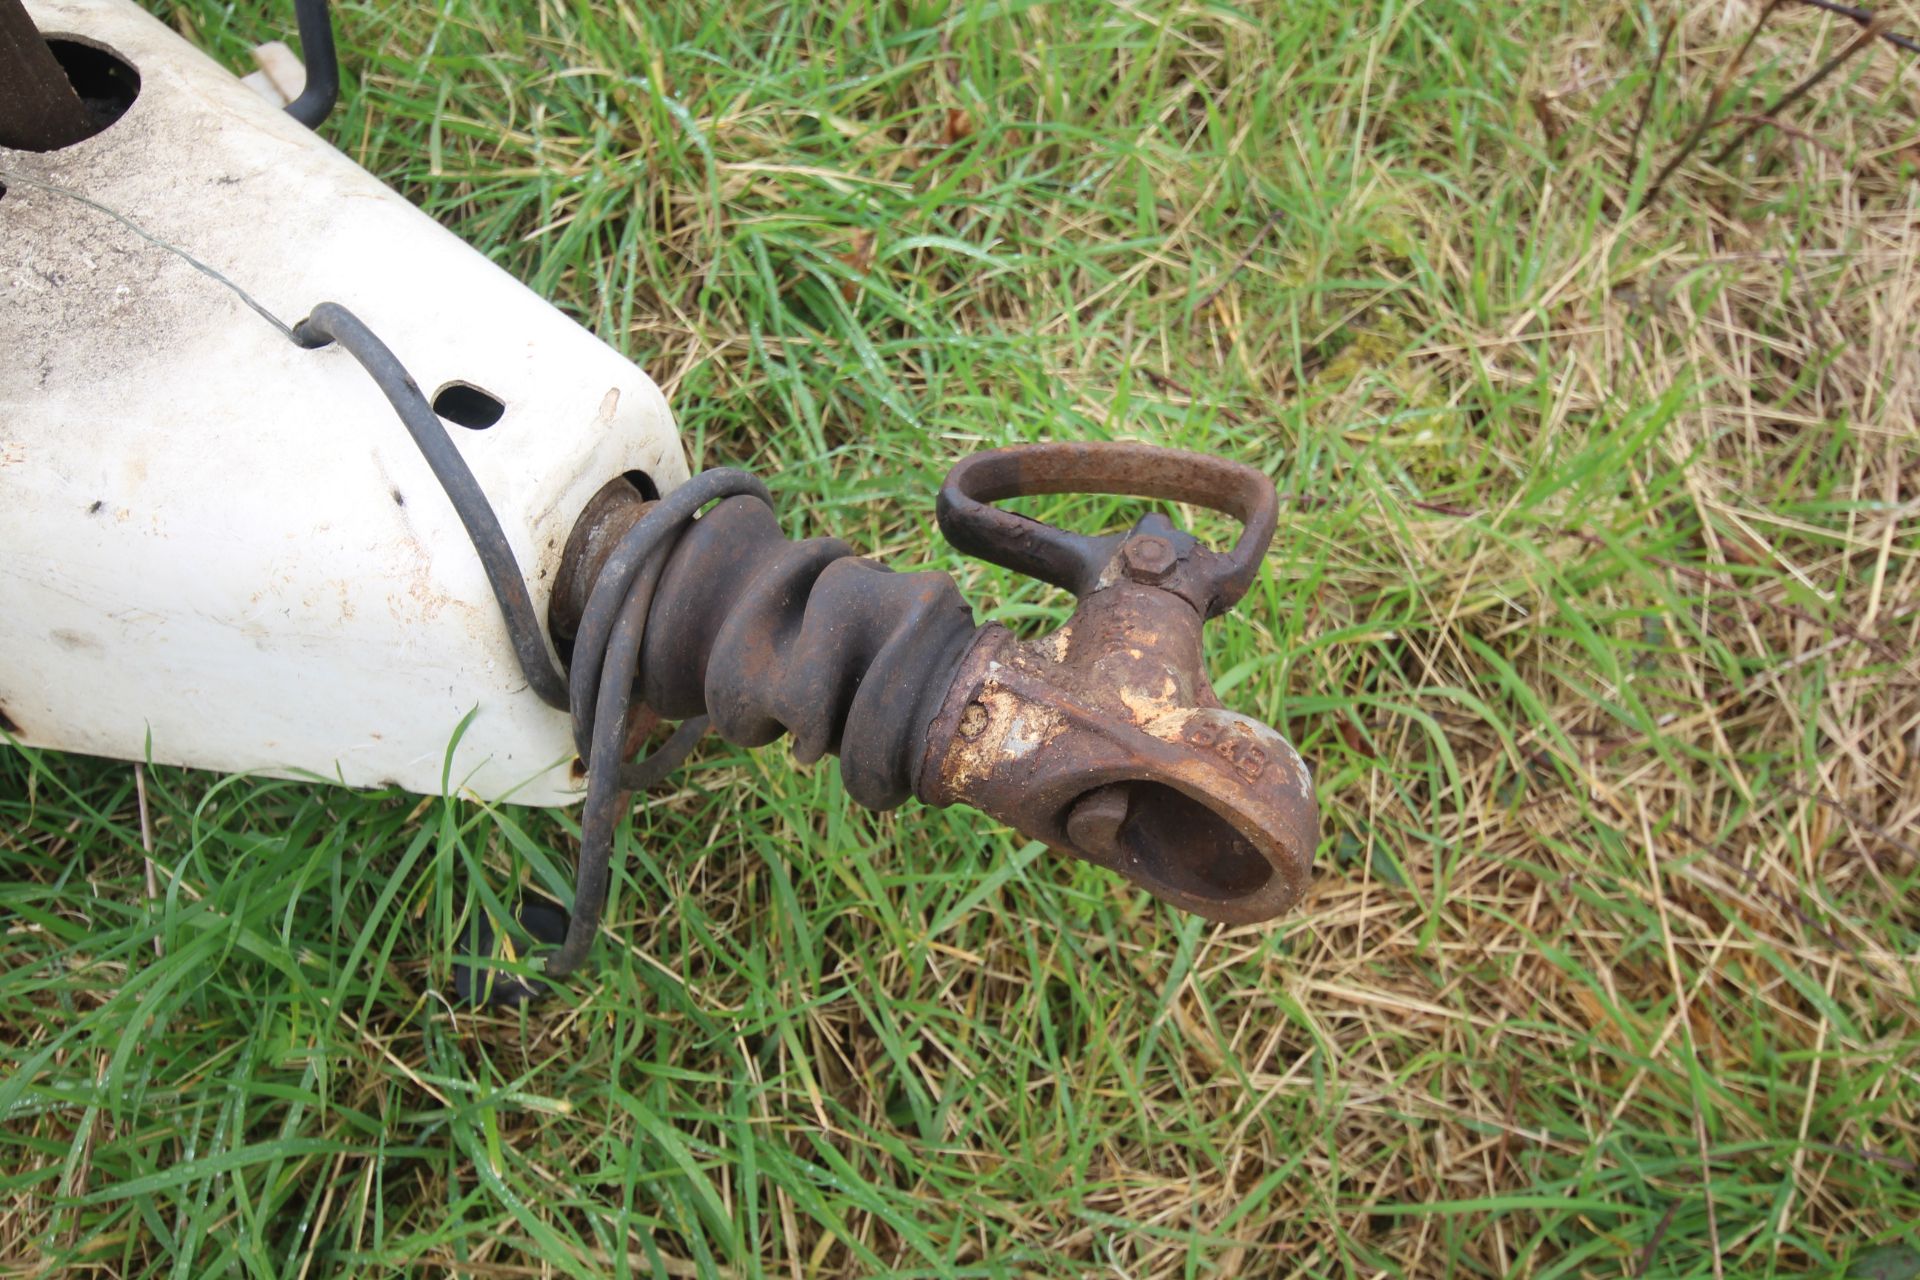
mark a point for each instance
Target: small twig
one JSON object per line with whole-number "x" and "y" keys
{"x": 1246, "y": 255}
{"x": 1652, "y": 1250}
{"x": 1791, "y": 130}
{"x": 1646, "y": 103}
{"x": 1864, "y": 17}
{"x": 1550, "y": 123}
{"x": 1714, "y": 100}
{"x": 1855, "y": 817}
{"x": 1864, "y": 1153}
{"x": 1754, "y": 882}
{"x": 146, "y": 843}
{"x": 1164, "y": 383}
{"x": 1799, "y": 91}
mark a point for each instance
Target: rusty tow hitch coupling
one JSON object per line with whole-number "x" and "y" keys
{"x": 1103, "y": 740}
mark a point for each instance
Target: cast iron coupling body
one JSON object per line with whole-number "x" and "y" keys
{"x": 1103, "y": 740}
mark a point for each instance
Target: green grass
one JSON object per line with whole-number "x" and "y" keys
{"x": 1594, "y": 609}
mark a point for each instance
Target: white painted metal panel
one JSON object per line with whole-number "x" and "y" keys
{"x": 216, "y": 540}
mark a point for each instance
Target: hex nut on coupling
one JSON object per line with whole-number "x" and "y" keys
{"x": 1149, "y": 558}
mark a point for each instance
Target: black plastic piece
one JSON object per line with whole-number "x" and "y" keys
{"x": 541, "y": 922}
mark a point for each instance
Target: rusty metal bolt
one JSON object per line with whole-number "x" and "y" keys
{"x": 1149, "y": 559}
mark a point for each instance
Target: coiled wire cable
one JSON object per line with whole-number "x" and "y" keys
{"x": 597, "y": 692}
{"x": 606, "y": 659}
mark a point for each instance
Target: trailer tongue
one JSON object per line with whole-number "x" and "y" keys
{"x": 223, "y": 552}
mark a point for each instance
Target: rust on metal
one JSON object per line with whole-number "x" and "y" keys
{"x": 616, "y": 508}
{"x": 1211, "y": 581}
{"x": 1104, "y": 739}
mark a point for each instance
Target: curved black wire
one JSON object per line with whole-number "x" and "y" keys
{"x": 322, "y": 90}
{"x": 331, "y": 322}
{"x": 598, "y": 691}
